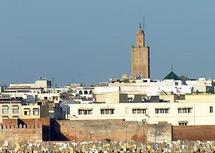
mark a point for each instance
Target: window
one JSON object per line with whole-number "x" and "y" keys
{"x": 26, "y": 111}
{"x": 80, "y": 93}
{"x": 35, "y": 111}
{"x": 161, "y": 110}
{"x": 15, "y": 109}
{"x": 138, "y": 111}
{"x": 5, "y": 109}
{"x": 130, "y": 99}
{"x": 5, "y": 117}
{"x": 85, "y": 92}
{"x": 107, "y": 111}
{"x": 211, "y": 109}
{"x": 85, "y": 111}
{"x": 185, "y": 110}
{"x": 183, "y": 123}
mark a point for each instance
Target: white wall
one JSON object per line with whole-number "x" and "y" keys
{"x": 148, "y": 88}
{"x": 199, "y": 115}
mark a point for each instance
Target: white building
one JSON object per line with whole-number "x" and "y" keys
{"x": 42, "y": 83}
{"x": 147, "y": 86}
{"x": 55, "y": 97}
{"x": 15, "y": 109}
{"x": 152, "y": 113}
{"x": 200, "y": 85}
{"x": 27, "y": 94}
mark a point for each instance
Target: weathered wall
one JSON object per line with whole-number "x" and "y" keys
{"x": 27, "y": 122}
{"x": 111, "y": 97}
{"x": 159, "y": 133}
{"x": 20, "y": 134}
{"x": 193, "y": 133}
{"x": 29, "y": 125}
{"x": 112, "y": 130}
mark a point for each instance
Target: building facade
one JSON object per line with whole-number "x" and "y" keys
{"x": 152, "y": 113}
{"x": 15, "y": 109}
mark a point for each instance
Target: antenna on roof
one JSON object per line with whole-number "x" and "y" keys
{"x": 140, "y": 26}
{"x": 171, "y": 68}
{"x": 143, "y": 22}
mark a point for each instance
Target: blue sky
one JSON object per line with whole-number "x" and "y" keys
{"x": 90, "y": 41}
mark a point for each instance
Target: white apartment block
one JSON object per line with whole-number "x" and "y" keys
{"x": 201, "y": 113}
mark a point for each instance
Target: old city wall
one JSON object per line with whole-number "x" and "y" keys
{"x": 193, "y": 133}
{"x": 159, "y": 133}
{"x": 24, "y": 129}
{"x": 20, "y": 133}
{"x": 100, "y": 130}
{"x": 116, "y": 130}
{"x": 27, "y": 122}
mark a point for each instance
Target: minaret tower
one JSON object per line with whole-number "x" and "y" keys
{"x": 140, "y": 57}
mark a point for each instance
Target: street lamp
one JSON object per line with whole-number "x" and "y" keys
{"x": 156, "y": 133}
{"x": 144, "y": 122}
{"x": 75, "y": 137}
{"x": 126, "y": 134}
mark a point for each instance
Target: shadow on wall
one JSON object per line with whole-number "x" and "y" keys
{"x": 46, "y": 124}
{"x": 56, "y": 133}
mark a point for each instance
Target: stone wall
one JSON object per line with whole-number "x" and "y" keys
{"x": 193, "y": 133}
{"x": 117, "y": 130}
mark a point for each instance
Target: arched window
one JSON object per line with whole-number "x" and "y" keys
{"x": 85, "y": 92}
{"x": 80, "y": 92}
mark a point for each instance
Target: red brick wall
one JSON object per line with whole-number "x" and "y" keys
{"x": 193, "y": 133}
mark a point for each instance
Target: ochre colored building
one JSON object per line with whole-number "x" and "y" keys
{"x": 140, "y": 57}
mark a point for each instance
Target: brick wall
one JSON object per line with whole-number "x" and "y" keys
{"x": 193, "y": 133}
